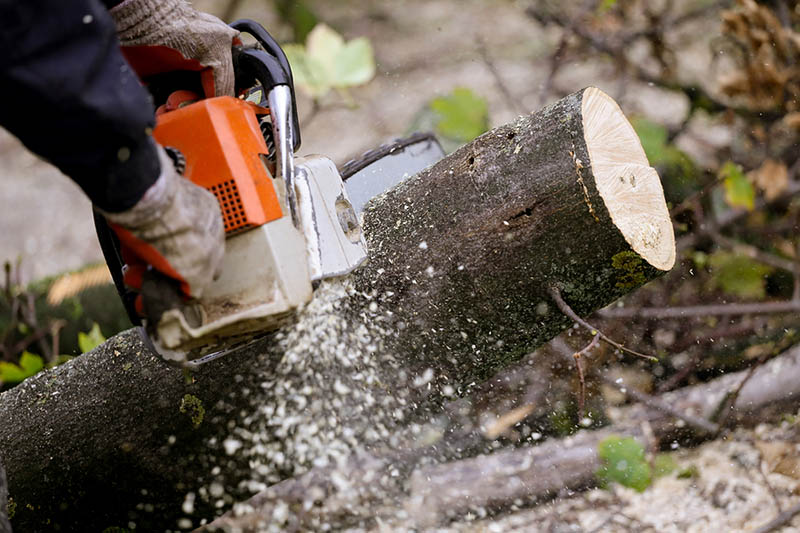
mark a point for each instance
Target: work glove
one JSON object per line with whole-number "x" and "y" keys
{"x": 159, "y": 36}
{"x": 177, "y": 229}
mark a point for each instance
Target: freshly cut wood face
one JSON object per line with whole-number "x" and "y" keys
{"x": 629, "y": 186}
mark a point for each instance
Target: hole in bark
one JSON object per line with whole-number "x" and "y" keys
{"x": 511, "y": 135}
{"x": 471, "y": 160}
{"x": 528, "y": 212}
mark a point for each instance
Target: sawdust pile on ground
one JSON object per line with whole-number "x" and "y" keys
{"x": 726, "y": 492}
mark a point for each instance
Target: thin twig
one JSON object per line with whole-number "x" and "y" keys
{"x": 555, "y": 294}
{"x": 701, "y": 424}
{"x": 723, "y": 410}
{"x": 555, "y": 64}
{"x": 658, "y": 404}
{"x": 781, "y": 520}
{"x": 796, "y": 272}
{"x": 511, "y": 100}
{"x": 577, "y": 357}
{"x": 753, "y": 252}
{"x": 694, "y": 311}
{"x": 770, "y": 488}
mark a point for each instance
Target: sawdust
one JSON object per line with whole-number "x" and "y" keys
{"x": 334, "y": 393}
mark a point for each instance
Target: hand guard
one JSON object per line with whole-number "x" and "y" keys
{"x": 160, "y": 36}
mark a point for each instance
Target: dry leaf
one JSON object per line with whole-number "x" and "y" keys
{"x": 507, "y": 420}
{"x": 771, "y": 177}
{"x": 74, "y": 283}
{"x": 793, "y": 120}
{"x": 781, "y": 457}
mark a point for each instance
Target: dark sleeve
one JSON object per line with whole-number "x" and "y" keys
{"x": 68, "y": 94}
{"x": 111, "y": 3}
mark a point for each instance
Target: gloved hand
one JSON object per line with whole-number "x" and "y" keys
{"x": 160, "y": 36}
{"x": 176, "y": 228}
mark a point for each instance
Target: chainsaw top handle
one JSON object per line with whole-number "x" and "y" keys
{"x": 268, "y": 65}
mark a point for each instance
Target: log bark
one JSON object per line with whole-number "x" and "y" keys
{"x": 489, "y": 229}
{"x": 462, "y": 256}
{"x": 5, "y": 525}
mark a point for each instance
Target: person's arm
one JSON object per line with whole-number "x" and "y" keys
{"x": 69, "y": 95}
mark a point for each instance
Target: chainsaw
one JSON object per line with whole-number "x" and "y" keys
{"x": 290, "y": 222}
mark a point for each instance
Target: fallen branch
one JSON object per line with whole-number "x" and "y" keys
{"x": 781, "y": 520}
{"x": 694, "y": 311}
{"x": 506, "y": 478}
{"x": 492, "y": 482}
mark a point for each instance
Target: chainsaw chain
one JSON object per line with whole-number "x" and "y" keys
{"x": 359, "y": 163}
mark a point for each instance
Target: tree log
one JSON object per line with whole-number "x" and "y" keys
{"x": 461, "y": 259}
{"x": 561, "y": 197}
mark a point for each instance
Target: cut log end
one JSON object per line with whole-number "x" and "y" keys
{"x": 629, "y": 186}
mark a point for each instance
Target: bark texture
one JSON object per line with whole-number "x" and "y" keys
{"x": 5, "y": 525}
{"x": 462, "y": 254}
{"x": 485, "y": 232}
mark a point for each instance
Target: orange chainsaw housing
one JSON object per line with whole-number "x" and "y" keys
{"x": 222, "y": 143}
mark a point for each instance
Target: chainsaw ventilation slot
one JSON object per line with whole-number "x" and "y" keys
{"x": 230, "y": 204}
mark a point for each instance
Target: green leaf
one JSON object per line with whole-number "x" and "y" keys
{"x": 299, "y": 16}
{"x": 663, "y": 464}
{"x": 738, "y": 274}
{"x": 605, "y": 5}
{"x": 354, "y": 65}
{"x": 739, "y": 192}
{"x": 29, "y": 364}
{"x": 653, "y": 137}
{"x": 60, "y": 360}
{"x": 462, "y": 115}
{"x": 659, "y": 151}
{"x": 327, "y": 61}
{"x": 624, "y": 462}
{"x": 91, "y": 340}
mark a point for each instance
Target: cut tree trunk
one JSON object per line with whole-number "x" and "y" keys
{"x": 461, "y": 260}
{"x": 465, "y": 251}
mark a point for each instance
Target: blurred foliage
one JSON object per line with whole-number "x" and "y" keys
{"x": 677, "y": 170}
{"x": 29, "y": 364}
{"x": 738, "y": 275}
{"x": 462, "y": 115}
{"x": 663, "y": 465}
{"x": 739, "y": 192}
{"x": 327, "y": 62}
{"x": 91, "y": 340}
{"x": 35, "y": 334}
{"x": 456, "y": 118}
{"x": 299, "y": 16}
{"x": 624, "y": 463}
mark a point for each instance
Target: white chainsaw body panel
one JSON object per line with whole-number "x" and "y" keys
{"x": 334, "y": 241}
{"x": 267, "y": 271}
{"x": 264, "y": 279}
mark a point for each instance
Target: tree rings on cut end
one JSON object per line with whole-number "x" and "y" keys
{"x": 629, "y": 186}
